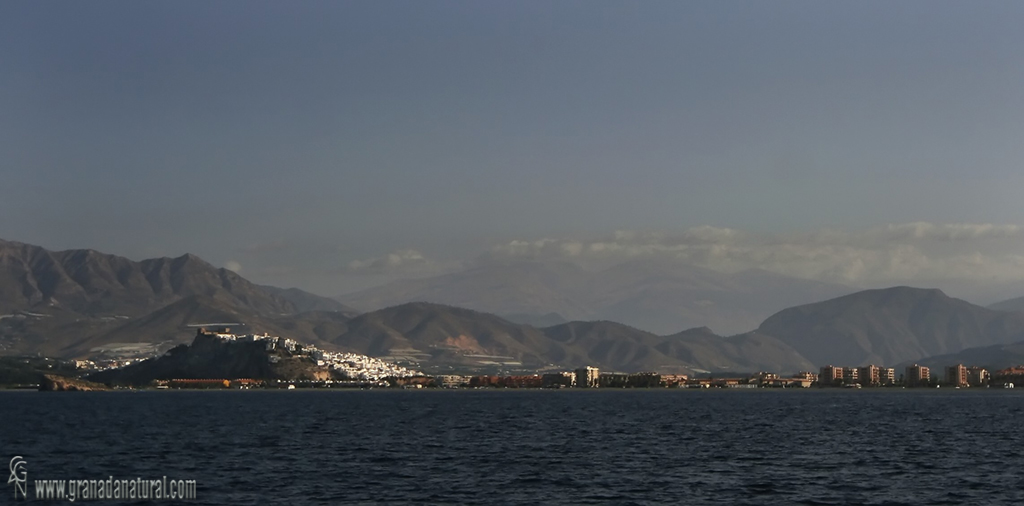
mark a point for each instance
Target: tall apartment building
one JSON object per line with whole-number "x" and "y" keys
{"x": 587, "y": 377}
{"x": 886, "y": 376}
{"x": 850, "y": 375}
{"x": 917, "y": 376}
{"x": 977, "y": 376}
{"x": 830, "y": 375}
{"x": 869, "y": 375}
{"x": 956, "y": 375}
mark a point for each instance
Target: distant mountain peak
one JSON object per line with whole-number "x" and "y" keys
{"x": 94, "y": 287}
{"x": 189, "y": 258}
{"x": 694, "y": 333}
{"x": 698, "y": 331}
{"x": 433, "y": 307}
{"x": 657, "y": 295}
{"x": 597, "y": 325}
{"x": 1014, "y": 305}
{"x": 890, "y": 325}
{"x": 907, "y": 289}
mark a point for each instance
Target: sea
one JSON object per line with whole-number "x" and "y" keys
{"x": 497, "y": 447}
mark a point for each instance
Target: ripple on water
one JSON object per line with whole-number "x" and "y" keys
{"x": 532, "y": 447}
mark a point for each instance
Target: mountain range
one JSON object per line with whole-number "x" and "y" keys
{"x": 889, "y": 326}
{"x": 446, "y": 336}
{"x": 82, "y": 303}
{"x": 660, "y": 296}
{"x": 58, "y": 302}
{"x": 88, "y": 282}
{"x": 993, "y": 358}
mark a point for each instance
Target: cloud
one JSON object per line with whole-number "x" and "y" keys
{"x": 952, "y": 232}
{"x": 889, "y": 254}
{"x": 233, "y": 266}
{"x": 400, "y": 262}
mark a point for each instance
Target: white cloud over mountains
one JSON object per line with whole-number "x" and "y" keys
{"x": 401, "y": 262}
{"x": 896, "y": 253}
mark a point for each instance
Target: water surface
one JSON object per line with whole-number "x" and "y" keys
{"x": 534, "y": 447}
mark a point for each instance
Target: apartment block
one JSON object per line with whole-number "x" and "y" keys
{"x": 917, "y": 375}
{"x": 869, "y": 375}
{"x": 956, "y": 375}
{"x": 977, "y": 376}
{"x": 830, "y": 375}
{"x": 587, "y": 377}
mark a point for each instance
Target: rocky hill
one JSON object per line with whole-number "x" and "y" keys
{"x": 170, "y": 326}
{"x": 97, "y": 284}
{"x": 211, "y": 357}
{"x": 447, "y": 335}
{"x": 23, "y": 371}
{"x": 65, "y": 303}
{"x": 890, "y": 326}
{"x": 55, "y": 383}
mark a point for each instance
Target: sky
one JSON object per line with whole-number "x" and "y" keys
{"x": 334, "y": 145}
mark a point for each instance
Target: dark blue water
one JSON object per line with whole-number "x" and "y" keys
{"x": 534, "y": 447}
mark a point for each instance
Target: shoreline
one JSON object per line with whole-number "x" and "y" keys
{"x": 569, "y": 391}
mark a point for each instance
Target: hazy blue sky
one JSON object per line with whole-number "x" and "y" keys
{"x": 307, "y": 141}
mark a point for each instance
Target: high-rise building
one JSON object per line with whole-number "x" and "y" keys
{"x": 587, "y": 377}
{"x": 850, "y": 375}
{"x": 977, "y": 376}
{"x": 830, "y": 375}
{"x": 868, "y": 375}
{"x": 956, "y": 375}
{"x": 917, "y": 376}
{"x": 886, "y": 376}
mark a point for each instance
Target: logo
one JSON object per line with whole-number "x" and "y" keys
{"x": 19, "y": 477}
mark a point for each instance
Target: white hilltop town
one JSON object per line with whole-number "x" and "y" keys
{"x": 352, "y": 365}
